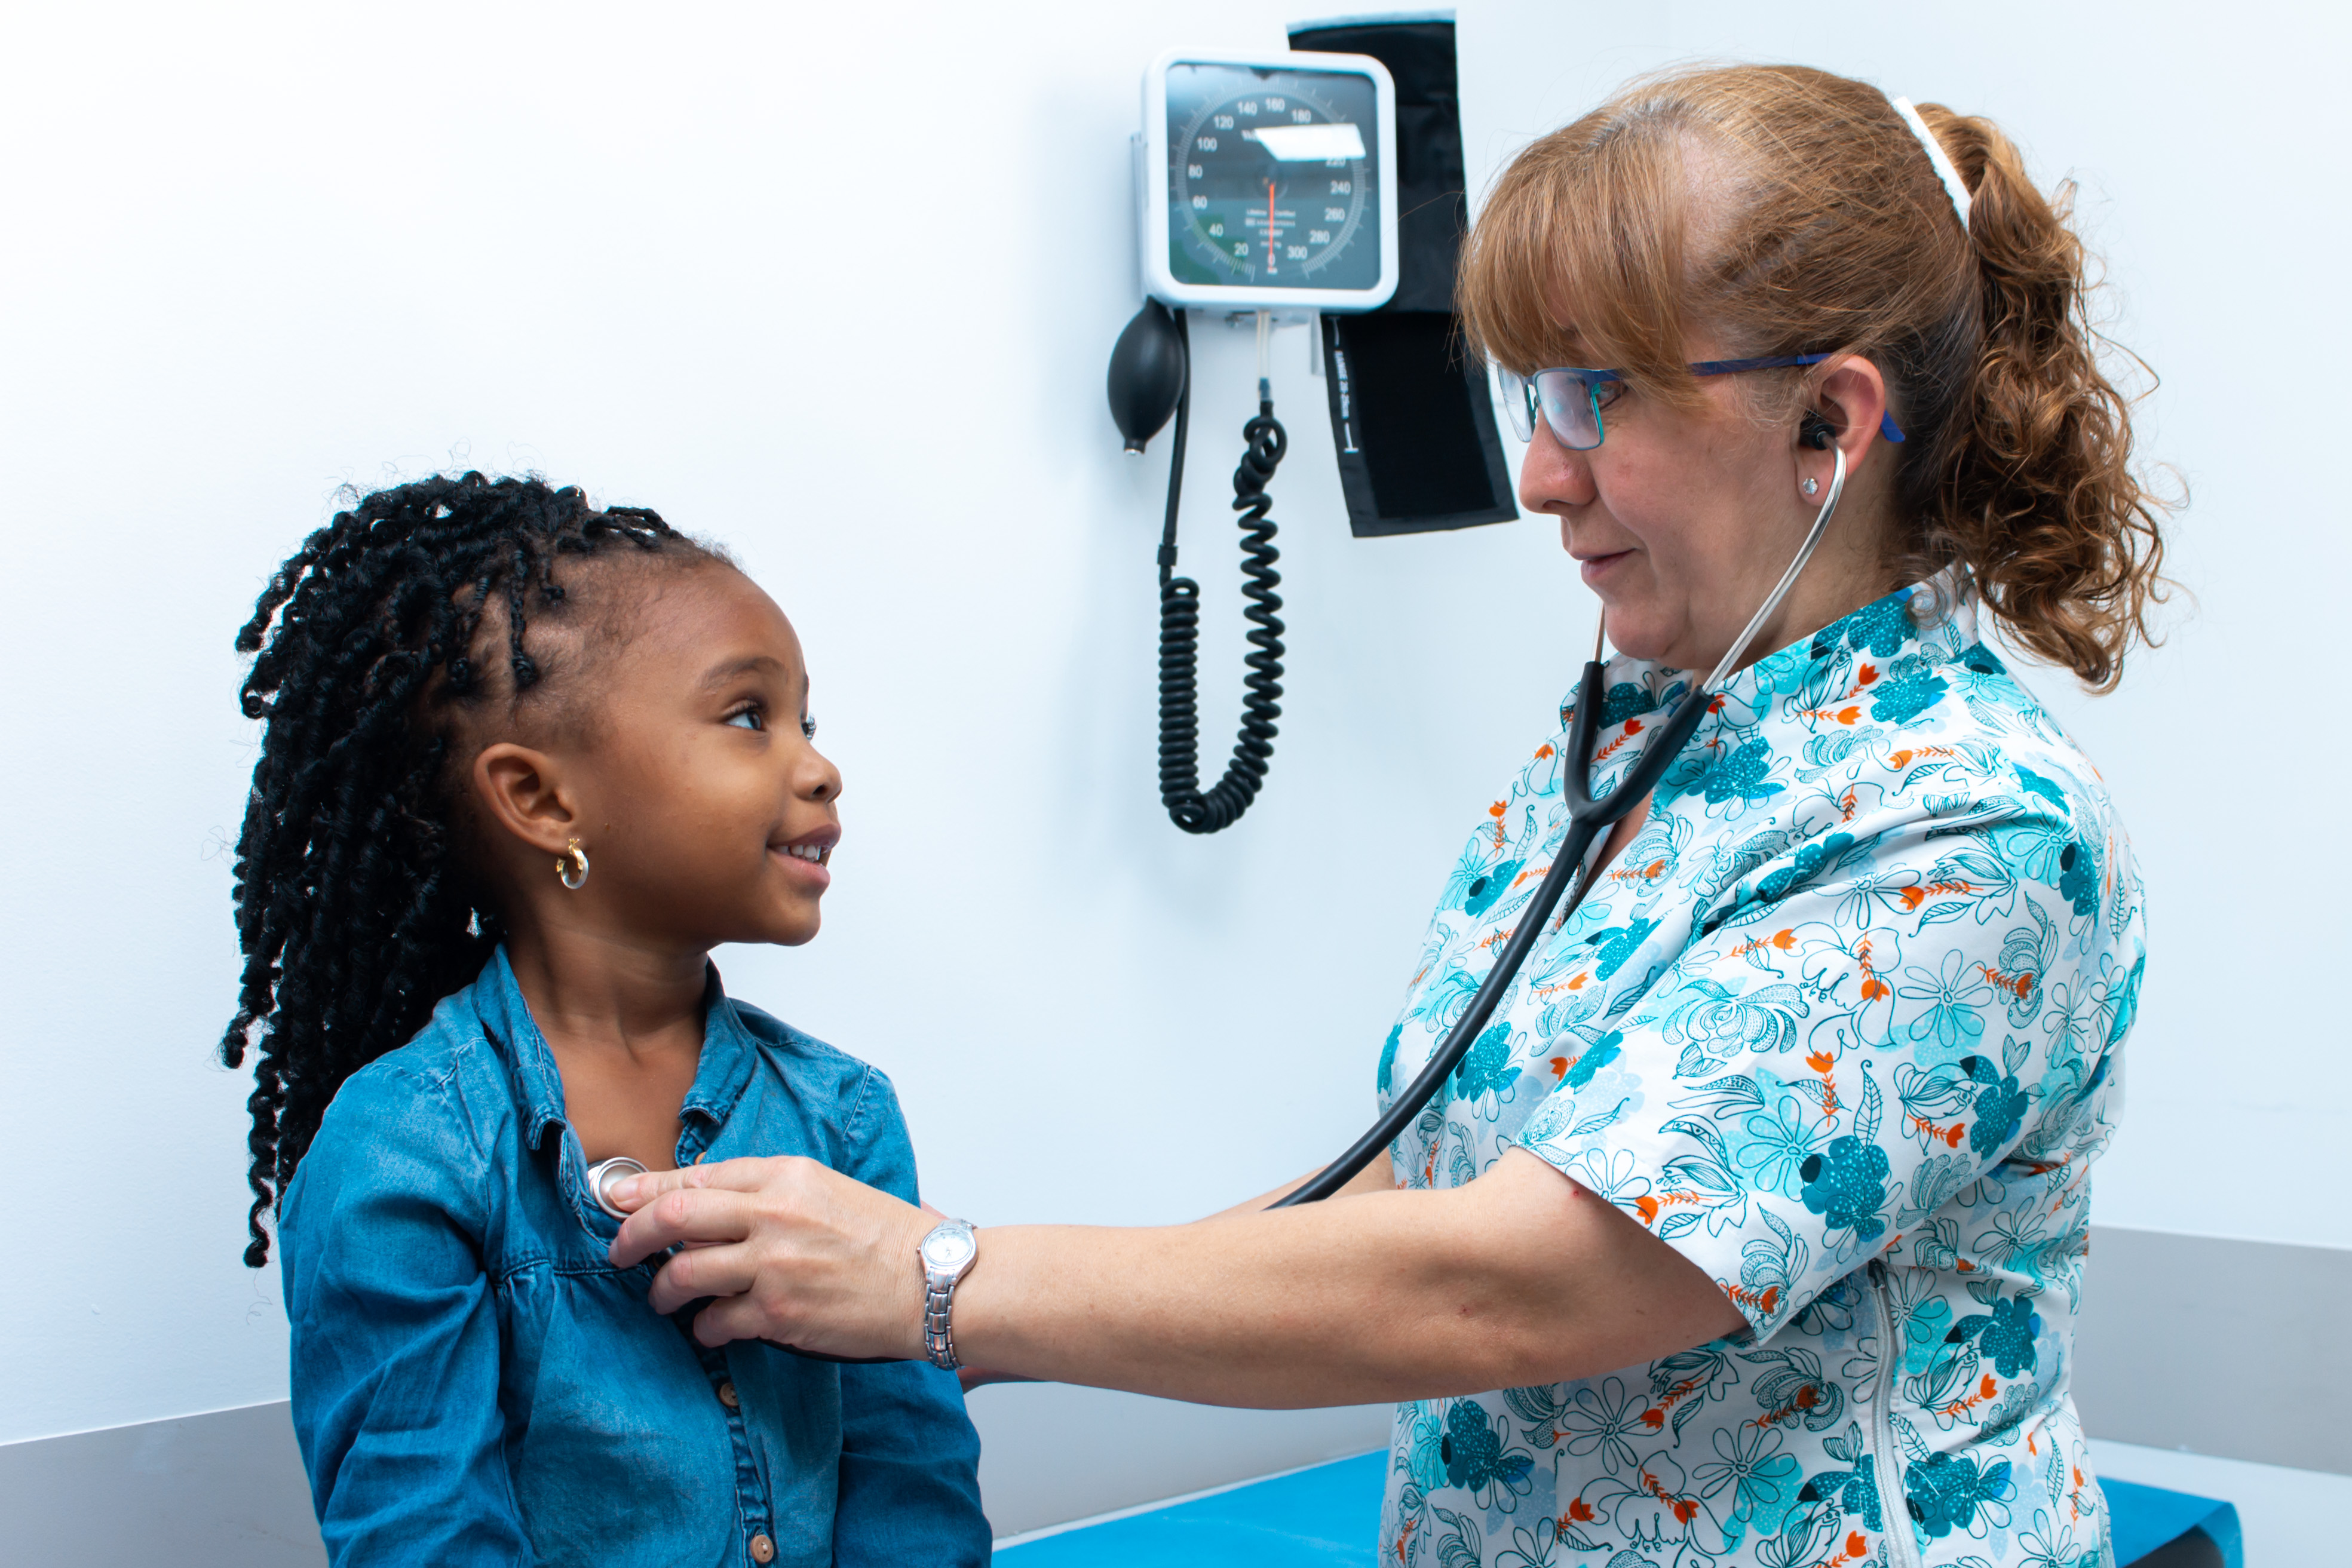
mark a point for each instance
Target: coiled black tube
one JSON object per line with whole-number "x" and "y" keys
{"x": 1220, "y": 807}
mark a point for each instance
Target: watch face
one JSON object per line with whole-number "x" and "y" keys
{"x": 945, "y": 1249}
{"x": 1272, "y": 180}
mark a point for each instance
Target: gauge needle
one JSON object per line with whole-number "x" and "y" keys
{"x": 1270, "y": 266}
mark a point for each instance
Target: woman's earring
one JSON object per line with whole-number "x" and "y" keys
{"x": 572, "y": 865}
{"x": 1811, "y": 485}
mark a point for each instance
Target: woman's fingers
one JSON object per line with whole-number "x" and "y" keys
{"x": 793, "y": 1250}
{"x": 699, "y": 1272}
{"x": 634, "y": 1193}
{"x": 700, "y": 1204}
{"x": 737, "y": 1317}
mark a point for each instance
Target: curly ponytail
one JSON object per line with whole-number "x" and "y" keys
{"x": 2034, "y": 490}
{"x": 1823, "y": 226}
{"x": 352, "y": 912}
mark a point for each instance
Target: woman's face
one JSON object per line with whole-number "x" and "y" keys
{"x": 1682, "y": 521}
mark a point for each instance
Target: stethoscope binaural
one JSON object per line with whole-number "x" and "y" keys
{"x": 1588, "y": 818}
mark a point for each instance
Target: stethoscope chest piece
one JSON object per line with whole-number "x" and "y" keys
{"x": 604, "y": 1173}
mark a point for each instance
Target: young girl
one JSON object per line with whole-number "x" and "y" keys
{"x": 524, "y": 764}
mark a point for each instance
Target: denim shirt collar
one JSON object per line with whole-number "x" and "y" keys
{"x": 729, "y": 1053}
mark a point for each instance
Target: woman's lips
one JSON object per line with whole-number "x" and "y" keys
{"x": 1592, "y": 569}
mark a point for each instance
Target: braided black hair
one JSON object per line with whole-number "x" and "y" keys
{"x": 352, "y": 910}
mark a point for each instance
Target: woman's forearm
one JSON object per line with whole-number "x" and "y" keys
{"x": 1520, "y": 1277}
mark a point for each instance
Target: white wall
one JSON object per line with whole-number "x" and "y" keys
{"x": 838, "y": 286}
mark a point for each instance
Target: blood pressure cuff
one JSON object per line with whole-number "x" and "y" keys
{"x": 1411, "y": 418}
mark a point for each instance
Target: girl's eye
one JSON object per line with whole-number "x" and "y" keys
{"x": 808, "y": 726}
{"x": 748, "y": 719}
{"x": 1608, "y": 393}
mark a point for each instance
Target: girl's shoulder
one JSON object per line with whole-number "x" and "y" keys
{"x": 430, "y": 1114}
{"x": 800, "y": 1055}
{"x": 823, "y": 1098}
{"x": 814, "y": 1072}
{"x": 451, "y": 1072}
{"x": 446, "y": 1094}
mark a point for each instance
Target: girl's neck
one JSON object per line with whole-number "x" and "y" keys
{"x": 625, "y": 1028}
{"x": 594, "y": 990}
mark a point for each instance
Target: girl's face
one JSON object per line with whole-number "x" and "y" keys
{"x": 687, "y": 773}
{"x": 1682, "y": 521}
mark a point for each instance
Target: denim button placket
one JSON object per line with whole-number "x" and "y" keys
{"x": 751, "y": 1498}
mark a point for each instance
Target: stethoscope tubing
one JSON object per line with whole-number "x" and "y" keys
{"x": 1587, "y": 818}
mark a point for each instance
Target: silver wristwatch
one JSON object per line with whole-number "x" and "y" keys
{"x": 948, "y": 1253}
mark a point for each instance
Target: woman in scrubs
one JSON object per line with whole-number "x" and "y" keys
{"x": 1751, "y": 1231}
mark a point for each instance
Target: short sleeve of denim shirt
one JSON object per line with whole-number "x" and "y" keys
{"x": 909, "y": 1457}
{"x": 1845, "y": 1052}
{"x": 398, "y": 1407}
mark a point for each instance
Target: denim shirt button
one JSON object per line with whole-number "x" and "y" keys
{"x": 728, "y": 1397}
{"x": 763, "y": 1549}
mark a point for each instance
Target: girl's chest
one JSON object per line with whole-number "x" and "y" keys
{"x": 628, "y": 1442}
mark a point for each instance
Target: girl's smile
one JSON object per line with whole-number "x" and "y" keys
{"x": 806, "y": 856}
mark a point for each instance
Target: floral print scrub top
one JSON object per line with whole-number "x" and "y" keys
{"x": 1841, "y": 1025}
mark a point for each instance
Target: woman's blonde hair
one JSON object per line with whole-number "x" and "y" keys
{"x": 1790, "y": 211}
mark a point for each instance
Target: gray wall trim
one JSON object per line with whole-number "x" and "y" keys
{"x": 2229, "y": 1348}
{"x": 2236, "y": 1349}
{"x": 223, "y": 1490}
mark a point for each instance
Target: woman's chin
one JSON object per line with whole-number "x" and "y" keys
{"x": 1633, "y": 638}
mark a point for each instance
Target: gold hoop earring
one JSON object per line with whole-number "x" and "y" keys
{"x": 572, "y": 865}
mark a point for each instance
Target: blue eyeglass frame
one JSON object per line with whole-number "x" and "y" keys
{"x": 1594, "y": 380}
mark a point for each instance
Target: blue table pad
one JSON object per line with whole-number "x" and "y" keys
{"x": 1329, "y": 1516}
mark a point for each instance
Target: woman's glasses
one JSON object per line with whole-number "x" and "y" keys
{"x": 1571, "y": 400}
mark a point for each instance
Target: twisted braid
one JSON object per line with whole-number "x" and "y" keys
{"x": 353, "y": 911}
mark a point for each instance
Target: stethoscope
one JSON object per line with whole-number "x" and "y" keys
{"x": 1587, "y": 819}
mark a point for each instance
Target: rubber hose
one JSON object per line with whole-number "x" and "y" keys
{"x": 1189, "y": 807}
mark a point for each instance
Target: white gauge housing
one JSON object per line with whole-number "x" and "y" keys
{"x": 1325, "y": 236}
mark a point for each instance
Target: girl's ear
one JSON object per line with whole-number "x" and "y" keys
{"x": 521, "y": 791}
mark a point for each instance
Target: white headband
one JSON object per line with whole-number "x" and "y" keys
{"x": 1944, "y": 170}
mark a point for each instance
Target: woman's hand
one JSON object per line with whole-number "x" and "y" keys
{"x": 795, "y": 1253}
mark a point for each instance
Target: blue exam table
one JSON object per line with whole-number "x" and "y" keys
{"x": 1327, "y": 1516}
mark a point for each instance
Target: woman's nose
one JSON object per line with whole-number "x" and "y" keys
{"x": 1554, "y": 476}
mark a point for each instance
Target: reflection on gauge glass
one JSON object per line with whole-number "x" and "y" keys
{"x": 1273, "y": 181}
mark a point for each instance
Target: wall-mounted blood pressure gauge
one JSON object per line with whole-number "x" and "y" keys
{"x": 1268, "y": 182}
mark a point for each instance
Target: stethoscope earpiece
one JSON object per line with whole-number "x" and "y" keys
{"x": 1815, "y": 432}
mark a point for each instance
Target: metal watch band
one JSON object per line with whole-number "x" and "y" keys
{"x": 946, "y": 1255}
{"x": 938, "y": 1330}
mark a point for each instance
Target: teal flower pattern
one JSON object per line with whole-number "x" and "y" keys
{"x": 1842, "y": 1027}
{"x": 1951, "y": 1021}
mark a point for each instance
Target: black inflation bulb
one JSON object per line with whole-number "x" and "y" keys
{"x": 1147, "y": 374}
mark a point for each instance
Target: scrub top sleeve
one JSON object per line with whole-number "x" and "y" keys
{"x": 909, "y": 1457}
{"x": 1862, "y": 1038}
{"x": 395, "y": 1335}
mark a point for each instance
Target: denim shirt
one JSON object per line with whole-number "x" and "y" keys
{"x": 474, "y": 1382}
